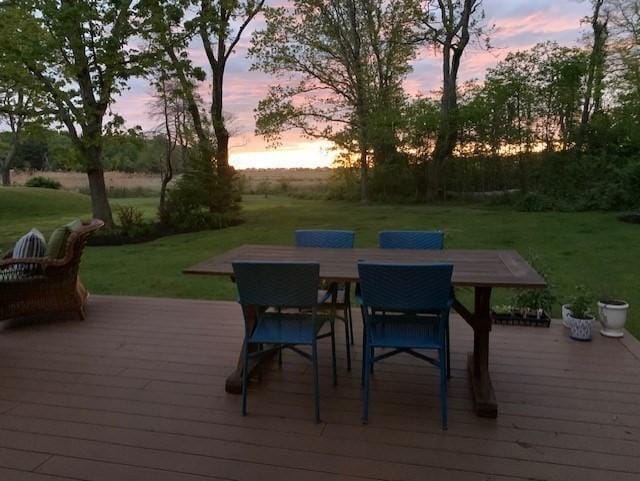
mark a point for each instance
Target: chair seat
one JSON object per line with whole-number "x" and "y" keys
{"x": 404, "y": 331}
{"x": 287, "y": 328}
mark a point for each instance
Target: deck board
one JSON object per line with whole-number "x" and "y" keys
{"x": 137, "y": 392}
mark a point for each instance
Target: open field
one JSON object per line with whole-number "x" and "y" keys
{"x": 590, "y": 248}
{"x": 254, "y": 179}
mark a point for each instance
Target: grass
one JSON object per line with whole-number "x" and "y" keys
{"x": 593, "y": 248}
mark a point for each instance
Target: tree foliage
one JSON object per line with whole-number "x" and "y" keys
{"x": 341, "y": 65}
{"x": 80, "y": 55}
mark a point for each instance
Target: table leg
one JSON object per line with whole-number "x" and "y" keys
{"x": 484, "y": 398}
{"x": 478, "y": 363}
{"x": 233, "y": 384}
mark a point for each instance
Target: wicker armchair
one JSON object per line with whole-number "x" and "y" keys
{"x": 54, "y": 288}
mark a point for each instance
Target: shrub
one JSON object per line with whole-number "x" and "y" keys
{"x": 43, "y": 183}
{"x": 186, "y": 209}
{"x": 130, "y": 219}
{"x": 344, "y": 184}
{"x": 263, "y": 188}
{"x": 393, "y": 182}
{"x": 533, "y": 202}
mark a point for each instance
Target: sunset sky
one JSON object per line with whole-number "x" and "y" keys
{"x": 519, "y": 24}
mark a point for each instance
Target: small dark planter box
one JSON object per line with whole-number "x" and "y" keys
{"x": 516, "y": 319}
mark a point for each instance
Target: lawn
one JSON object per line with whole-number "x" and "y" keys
{"x": 593, "y": 249}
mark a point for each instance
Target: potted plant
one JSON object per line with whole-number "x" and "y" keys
{"x": 613, "y": 316}
{"x": 566, "y": 311}
{"x": 580, "y": 317}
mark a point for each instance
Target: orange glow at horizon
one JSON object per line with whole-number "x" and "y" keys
{"x": 309, "y": 154}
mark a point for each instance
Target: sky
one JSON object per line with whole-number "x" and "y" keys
{"x": 518, "y": 25}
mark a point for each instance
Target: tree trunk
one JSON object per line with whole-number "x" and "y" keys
{"x": 364, "y": 175}
{"x": 163, "y": 195}
{"x": 6, "y": 176}
{"x": 448, "y": 130}
{"x": 99, "y": 201}
{"x": 595, "y": 71}
{"x": 8, "y": 161}
{"x": 217, "y": 118}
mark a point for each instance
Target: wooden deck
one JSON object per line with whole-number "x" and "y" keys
{"x": 136, "y": 392}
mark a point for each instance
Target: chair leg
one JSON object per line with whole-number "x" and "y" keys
{"x": 346, "y": 334}
{"x": 364, "y": 350}
{"x": 316, "y": 384}
{"x": 333, "y": 353}
{"x": 245, "y": 375}
{"x": 448, "y": 346}
{"x": 443, "y": 388}
{"x": 347, "y": 311}
{"x": 260, "y": 349}
{"x": 350, "y": 323}
{"x": 280, "y": 357}
{"x": 366, "y": 374}
{"x": 372, "y": 356}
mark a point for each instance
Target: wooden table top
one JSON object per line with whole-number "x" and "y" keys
{"x": 484, "y": 268}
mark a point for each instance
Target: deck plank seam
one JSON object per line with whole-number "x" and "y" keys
{"x": 297, "y": 468}
{"x": 311, "y": 437}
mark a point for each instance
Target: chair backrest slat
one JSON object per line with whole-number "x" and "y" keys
{"x": 277, "y": 284}
{"x": 406, "y": 239}
{"x": 334, "y": 239}
{"x": 405, "y": 287}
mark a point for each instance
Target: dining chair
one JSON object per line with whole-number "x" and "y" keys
{"x": 333, "y": 239}
{"x": 416, "y": 239}
{"x": 406, "y": 310}
{"x": 410, "y": 239}
{"x": 280, "y": 306}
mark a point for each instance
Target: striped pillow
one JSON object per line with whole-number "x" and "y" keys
{"x": 31, "y": 244}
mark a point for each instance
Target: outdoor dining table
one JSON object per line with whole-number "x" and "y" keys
{"x": 481, "y": 270}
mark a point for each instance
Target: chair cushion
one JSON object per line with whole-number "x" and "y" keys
{"x": 56, "y": 247}
{"x": 58, "y": 242}
{"x": 32, "y": 244}
{"x": 74, "y": 225}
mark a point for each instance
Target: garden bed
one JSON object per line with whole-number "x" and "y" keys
{"x": 630, "y": 218}
{"x": 151, "y": 232}
{"x": 517, "y": 319}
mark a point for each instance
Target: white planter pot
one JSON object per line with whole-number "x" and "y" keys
{"x": 580, "y": 329}
{"x": 566, "y": 312}
{"x": 613, "y": 316}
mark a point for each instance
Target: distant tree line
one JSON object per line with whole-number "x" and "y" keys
{"x": 132, "y": 151}
{"x": 560, "y": 123}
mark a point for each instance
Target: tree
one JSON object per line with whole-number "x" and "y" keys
{"x": 171, "y": 25}
{"x": 169, "y": 106}
{"x": 342, "y": 64}
{"x": 595, "y": 73}
{"x": 21, "y": 106}
{"x": 214, "y": 22}
{"x": 449, "y": 25}
{"x": 80, "y": 55}
{"x": 16, "y": 109}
